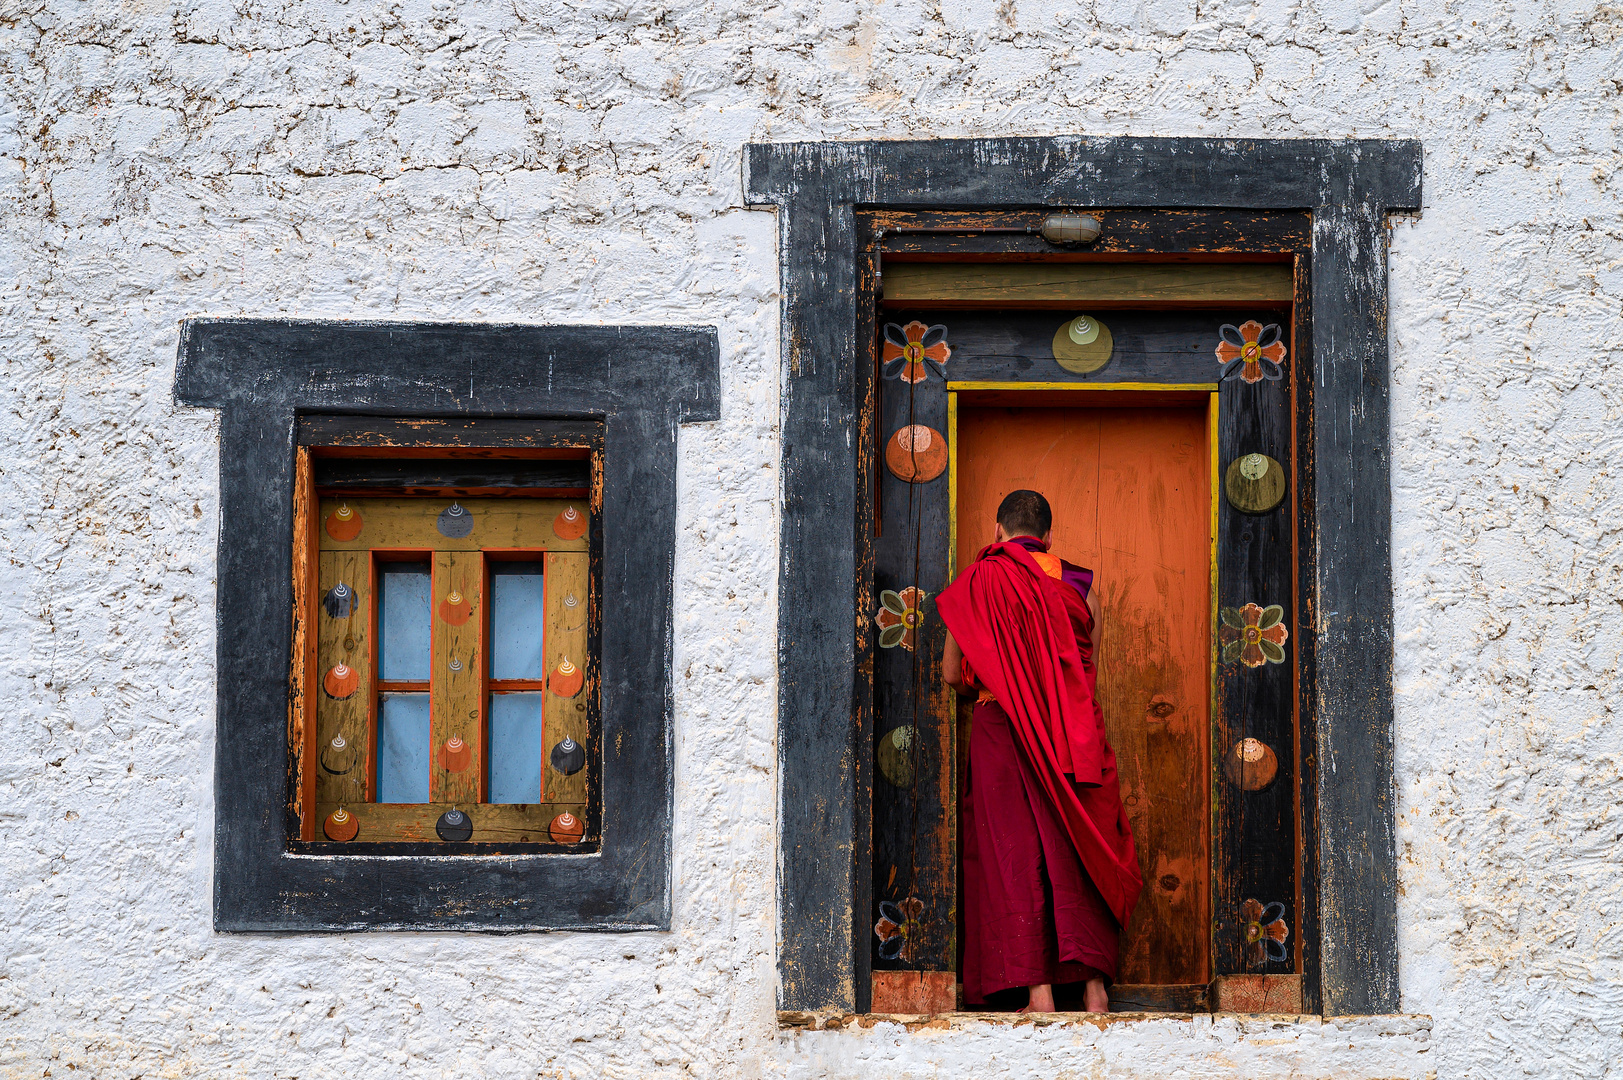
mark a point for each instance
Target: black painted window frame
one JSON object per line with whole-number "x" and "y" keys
{"x": 263, "y": 375}
{"x": 1349, "y": 187}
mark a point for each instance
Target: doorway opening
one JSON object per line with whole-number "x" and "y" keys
{"x": 1154, "y": 398}
{"x": 1130, "y": 476}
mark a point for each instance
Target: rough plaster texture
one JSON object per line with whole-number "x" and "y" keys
{"x": 508, "y": 159}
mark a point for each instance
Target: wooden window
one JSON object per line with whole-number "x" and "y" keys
{"x": 455, "y": 691}
{"x": 398, "y": 423}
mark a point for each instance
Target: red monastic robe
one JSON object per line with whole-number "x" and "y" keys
{"x": 1050, "y": 873}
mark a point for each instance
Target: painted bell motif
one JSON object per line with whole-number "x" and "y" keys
{"x": 339, "y": 756}
{"x": 341, "y": 825}
{"x": 454, "y": 522}
{"x": 455, "y": 755}
{"x": 568, "y": 756}
{"x": 456, "y": 609}
{"x": 341, "y": 681}
{"x": 566, "y": 679}
{"x": 454, "y": 826}
{"x": 339, "y": 601}
{"x": 344, "y": 523}
{"x": 570, "y": 524}
{"x": 566, "y": 828}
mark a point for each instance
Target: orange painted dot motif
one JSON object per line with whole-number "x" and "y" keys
{"x": 566, "y": 828}
{"x": 456, "y": 609}
{"x": 455, "y": 755}
{"x": 569, "y": 525}
{"x": 567, "y": 679}
{"x": 341, "y": 681}
{"x": 344, "y": 523}
{"x": 341, "y": 825}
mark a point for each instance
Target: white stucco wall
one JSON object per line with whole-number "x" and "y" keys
{"x": 505, "y": 159}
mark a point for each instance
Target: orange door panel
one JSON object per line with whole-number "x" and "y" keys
{"x": 1131, "y": 490}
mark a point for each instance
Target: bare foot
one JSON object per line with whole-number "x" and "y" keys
{"x": 1094, "y": 996}
{"x": 1042, "y": 999}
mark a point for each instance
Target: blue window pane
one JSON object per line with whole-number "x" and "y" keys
{"x": 403, "y": 748}
{"x": 515, "y": 748}
{"x": 516, "y": 621}
{"x": 403, "y": 622}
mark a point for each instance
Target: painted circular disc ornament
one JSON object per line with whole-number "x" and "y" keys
{"x": 456, "y": 609}
{"x": 567, "y": 679}
{"x": 341, "y": 826}
{"x": 454, "y": 826}
{"x": 1254, "y": 483}
{"x": 343, "y": 523}
{"x": 341, "y": 681}
{"x": 569, "y": 525}
{"x": 1250, "y": 765}
{"x": 566, "y": 828}
{"x": 339, "y": 601}
{"x": 455, "y": 755}
{"x": 454, "y": 522}
{"x": 568, "y": 756}
{"x": 895, "y": 756}
{"x": 916, "y": 454}
{"x": 1082, "y": 345}
{"x": 339, "y": 756}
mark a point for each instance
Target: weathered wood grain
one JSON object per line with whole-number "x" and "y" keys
{"x": 1353, "y": 613}
{"x": 453, "y": 477}
{"x": 1169, "y": 347}
{"x": 1098, "y": 171}
{"x": 409, "y": 523}
{"x": 302, "y": 699}
{"x": 1084, "y": 284}
{"x": 1159, "y": 234}
{"x": 566, "y": 636}
{"x": 493, "y": 823}
{"x": 1256, "y": 856}
{"x": 915, "y": 827}
{"x": 350, "y": 641}
{"x": 456, "y": 694}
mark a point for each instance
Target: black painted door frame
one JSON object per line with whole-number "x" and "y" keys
{"x": 1348, "y": 187}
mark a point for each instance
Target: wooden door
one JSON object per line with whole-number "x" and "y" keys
{"x": 1132, "y": 494}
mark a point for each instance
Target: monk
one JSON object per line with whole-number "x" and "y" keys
{"x": 1050, "y": 874}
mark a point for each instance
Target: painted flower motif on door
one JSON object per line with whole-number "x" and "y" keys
{"x": 1253, "y": 635}
{"x": 913, "y": 351}
{"x": 1265, "y": 932}
{"x": 1252, "y": 351}
{"x": 898, "y": 928}
{"x": 899, "y": 616}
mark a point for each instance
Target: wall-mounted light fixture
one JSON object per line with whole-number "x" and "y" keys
{"x": 1070, "y": 228}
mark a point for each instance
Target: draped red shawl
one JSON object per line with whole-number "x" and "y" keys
{"x": 1012, "y": 623}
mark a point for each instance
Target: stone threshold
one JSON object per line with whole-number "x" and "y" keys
{"x": 960, "y": 1021}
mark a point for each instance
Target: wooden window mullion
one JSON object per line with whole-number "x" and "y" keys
{"x": 565, "y": 638}
{"x": 456, "y": 690}
{"x": 343, "y": 772}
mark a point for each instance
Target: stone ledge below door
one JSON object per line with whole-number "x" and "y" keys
{"x": 1388, "y": 1024}
{"x": 1129, "y": 1046}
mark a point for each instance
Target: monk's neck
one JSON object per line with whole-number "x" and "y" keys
{"x": 1030, "y": 543}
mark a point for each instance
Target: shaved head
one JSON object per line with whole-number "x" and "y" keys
{"x": 1025, "y": 513}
